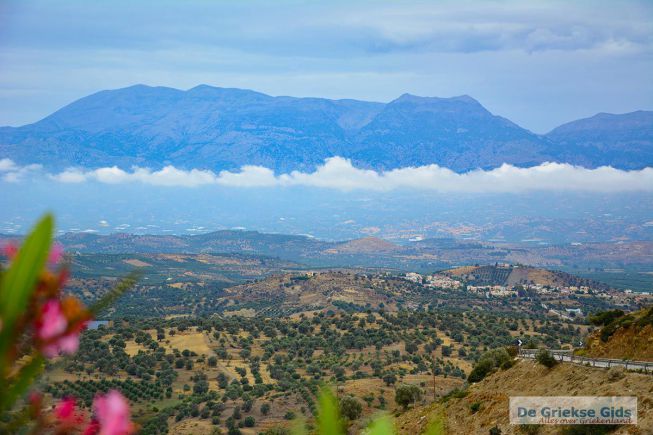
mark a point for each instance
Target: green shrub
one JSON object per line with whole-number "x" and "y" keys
{"x": 350, "y": 408}
{"x": 488, "y": 362}
{"x": 474, "y": 407}
{"x": 545, "y": 358}
{"x": 603, "y": 318}
{"x": 608, "y": 330}
{"x": 407, "y": 394}
{"x": 647, "y": 319}
{"x": 455, "y": 394}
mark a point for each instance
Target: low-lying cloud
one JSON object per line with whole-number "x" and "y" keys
{"x": 339, "y": 173}
{"x": 11, "y": 172}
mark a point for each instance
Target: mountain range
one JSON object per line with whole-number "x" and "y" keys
{"x": 219, "y": 128}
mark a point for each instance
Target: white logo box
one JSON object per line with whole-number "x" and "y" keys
{"x": 573, "y": 410}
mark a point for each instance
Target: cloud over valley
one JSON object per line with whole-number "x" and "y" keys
{"x": 339, "y": 173}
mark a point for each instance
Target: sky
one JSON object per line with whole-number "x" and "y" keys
{"x": 538, "y": 63}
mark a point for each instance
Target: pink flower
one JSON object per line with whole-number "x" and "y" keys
{"x": 10, "y": 249}
{"x": 69, "y": 343}
{"x": 50, "y": 327}
{"x": 66, "y": 344}
{"x": 65, "y": 410}
{"x": 112, "y": 413}
{"x": 93, "y": 428}
{"x": 53, "y": 322}
{"x": 56, "y": 254}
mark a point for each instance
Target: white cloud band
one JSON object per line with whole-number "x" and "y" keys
{"x": 339, "y": 173}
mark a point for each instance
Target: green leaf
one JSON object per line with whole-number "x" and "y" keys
{"x": 436, "y": 424}
{"x": 381, "y": 426}
{"x": 109, "y": 298}
{"x": 18, "y": 284}
{"x": 328, "y": 418}
{"x": 19, "y": 280}
{"x": 298, "y": 427}
{"x": 22, "y": 381}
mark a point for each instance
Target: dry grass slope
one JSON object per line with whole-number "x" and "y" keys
{"x": 632, "y": 340}
{"x": 528, "y": 378}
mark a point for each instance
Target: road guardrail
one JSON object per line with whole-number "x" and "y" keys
{"x": 568, "y": 356}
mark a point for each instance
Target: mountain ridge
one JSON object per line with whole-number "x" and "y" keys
{"x": 216, "y": 128}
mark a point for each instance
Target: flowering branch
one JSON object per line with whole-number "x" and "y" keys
{"x": 39, "y": 322}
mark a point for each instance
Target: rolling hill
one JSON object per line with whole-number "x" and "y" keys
{"x": 423, "y": 256}
{"x": 509, "y": 275}
{"x": 219, "y": 128}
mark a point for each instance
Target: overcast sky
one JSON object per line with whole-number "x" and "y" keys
{"x": 538, "y": 63}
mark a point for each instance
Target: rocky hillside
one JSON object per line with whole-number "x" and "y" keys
{"x": 528, "y": 378}
{"x": 317, "y": 291}
{"x": 628, "y": 336}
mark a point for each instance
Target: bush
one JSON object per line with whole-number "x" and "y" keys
{"x": 482, "y": 368}
{"x": 474, "y": 407}
{"x": 603, "y": 318}
{"x": 608, "y": 330}
{"x": 647, "y": 319}
{"x": 455, "y": 394}
{"x": 488, "y": 362}
{"x": 545, "y": 358}
{"x": 407, "y": 394}
{"x": 350, "y": 408}
{"x": 389, "y": 379}
{"x": 615, "y": 374}
{"x": 249, "y": 421}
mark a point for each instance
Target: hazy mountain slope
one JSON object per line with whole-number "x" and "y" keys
{"x": 458, "y": 133}
{"x": 242, "y": 242}
{"x": 625, "y": 141}
{"x": 219, "y": 128}
{"x": 202, "y": 127}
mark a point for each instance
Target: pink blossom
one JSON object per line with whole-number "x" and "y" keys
{"x": 10, "y": 249}
{"x": 56, "y": 254}
{"x": 112, "y": 412}
{"x": 67, "y": 344}
{"x": 53, "y": 322}
{"x": 50, "y": 327}
{"x": 93, "y": 428}
{"x": 65, "y": 410}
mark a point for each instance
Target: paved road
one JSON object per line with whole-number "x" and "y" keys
{"x": 568, "y": 356}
